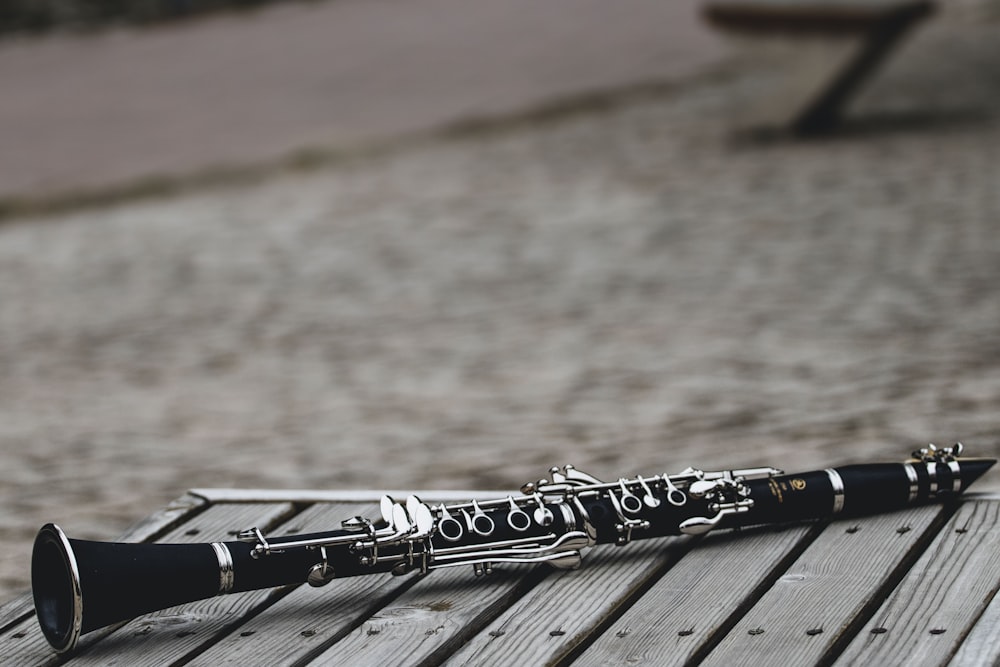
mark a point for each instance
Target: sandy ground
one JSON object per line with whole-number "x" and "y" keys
{"x": 632, "y": 289}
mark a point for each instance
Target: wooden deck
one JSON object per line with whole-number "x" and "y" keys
{"x": 908, "y": 588}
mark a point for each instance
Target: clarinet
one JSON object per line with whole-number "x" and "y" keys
{"x": 80, "y": 586}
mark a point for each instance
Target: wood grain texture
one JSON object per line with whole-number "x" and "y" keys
{"x": 697, "y": 598}
{"x": 827, "y": 590}
{"x": 177, "y": 511}
{"x": 306, "y": 620}
{"x": 552, "y": 621}
{"x": 982, "y": 645}
{"x": 14, "y": 611}
{"x": 940, "y": 599}
{"x": 432, "y": 619}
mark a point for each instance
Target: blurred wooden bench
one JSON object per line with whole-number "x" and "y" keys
{"x": 917, "y": 587}
{"x": 830, "y": 48}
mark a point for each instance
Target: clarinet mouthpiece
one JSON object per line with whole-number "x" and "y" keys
{"x": 974, "y": 468}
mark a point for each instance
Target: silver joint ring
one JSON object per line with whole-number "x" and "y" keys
{"x": 227, "y": 576}
{"x": 956, "y": 476}
{"x": 911, "y": 474}
{"x": 838, "y": 490}
{"x": 932, "y": 476}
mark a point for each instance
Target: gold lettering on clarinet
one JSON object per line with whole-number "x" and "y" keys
{"x": 776, "y": 490}
{"x": 798, "y": 484}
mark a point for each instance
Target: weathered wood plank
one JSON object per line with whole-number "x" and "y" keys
{"x": 563, "y": 611}
{"x": 934, "y": 607}
{"x": 304, "y": 622}
{"x": 684, "y": 612}
{"x": 13, "y": 612}
{"x": 175, "y": 512}
{"x": 982, "y": 644}
{"x": 817, "y": 605}
{"x": 307, "y": 620}
{"x": 432, "y": 619}
{"x": 163, "y": 637}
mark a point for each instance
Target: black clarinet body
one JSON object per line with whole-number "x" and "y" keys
{"x": 80, "y": 586}
{"x": 857, "y": 490}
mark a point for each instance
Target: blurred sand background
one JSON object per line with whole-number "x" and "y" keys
{"x": 371, "y": 244}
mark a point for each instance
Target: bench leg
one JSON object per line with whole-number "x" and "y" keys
{"x": 823, "y": 113}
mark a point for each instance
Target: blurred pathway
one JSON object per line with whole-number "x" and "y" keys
{"x": 92, "y": 112}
